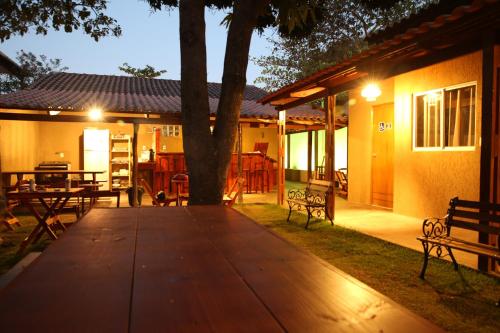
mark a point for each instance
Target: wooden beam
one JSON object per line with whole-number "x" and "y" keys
{"x": 486, "y": 134}
{"x": 306, "y": 92}
{"x": 288, "y": 150}
{"x": 330, "y": 150}
{"x": 309, "y": 154}
{"x": 322, "y": 94}
{"x": 281, "y": 157}
{"x": 240, "y": 160}
{"x": 83, "y": 119}
{"x": 316, "y": 156}
{"x": 135, "y": 174}
{"x": 304, "y": 100}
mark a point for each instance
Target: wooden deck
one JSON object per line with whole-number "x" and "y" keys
{"x": 189, "y": 269}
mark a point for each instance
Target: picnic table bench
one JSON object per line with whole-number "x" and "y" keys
{"x": 313, "y": 198}
{"x": 462, "y": 214}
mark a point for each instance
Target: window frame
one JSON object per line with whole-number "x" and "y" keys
{"x": 442, "y": 91}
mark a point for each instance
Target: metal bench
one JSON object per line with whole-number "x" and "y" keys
{"x": 314, "y": 199}
{"x": 462, "y": 214}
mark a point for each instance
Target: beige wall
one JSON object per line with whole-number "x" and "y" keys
{"x": 17, "y": 147}
{"x": 424, "y": 181}
{"x": 25, "y": 144}
{"x": 65, "y": 137}
{"x": 264, "y": 134}
{"x": 359, "y": 144}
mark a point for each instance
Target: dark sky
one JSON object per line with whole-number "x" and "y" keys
{"x": 147, "y": 39}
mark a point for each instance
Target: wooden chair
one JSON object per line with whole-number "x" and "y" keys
{"x": 156, "y": 201}
{"x": 8, "y": 218}
{"x": 261, "y": 146}
{"x": 230, "y": 198}
{"x": 341, "y": 177}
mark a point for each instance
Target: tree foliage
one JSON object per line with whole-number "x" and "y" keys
{"x": 32, "y": 68}
{"x": 338, "y": 36}
{"x": 148, "y": 72}
{"x": 19, "y": 16}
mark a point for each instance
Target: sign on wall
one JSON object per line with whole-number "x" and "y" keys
{"x": 384, "y": 126}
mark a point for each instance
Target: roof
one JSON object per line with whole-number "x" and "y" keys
{"x": 8, "y": 66}
{"x": 78, "y": 92}
{"x": 438, "y": 33}
{"x": 427, "y": 14}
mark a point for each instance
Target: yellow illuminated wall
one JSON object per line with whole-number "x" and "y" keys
{"x": 424, "y": 181}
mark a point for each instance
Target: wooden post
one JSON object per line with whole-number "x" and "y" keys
{"x": 309, "y": 155}
{"x": 330, "y": 149}
{"x": 135, "y": 174}
{"x": 316, "y": 156}
{"x": 240, "y": 161}
{"x": 281, "y": 157}
{"x": 485, "y": 183}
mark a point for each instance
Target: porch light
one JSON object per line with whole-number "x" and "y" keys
{"x": 371, "y": 92}
{"x": 95, "y": 114}
{"x": 54, "y": 113}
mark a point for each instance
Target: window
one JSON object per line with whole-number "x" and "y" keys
{"x": 444, "y": 118}
{"x": 171, "y": 130}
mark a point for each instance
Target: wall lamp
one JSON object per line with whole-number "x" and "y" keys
{"x": 370, "y": 92}
{"x": 95, "y": 114}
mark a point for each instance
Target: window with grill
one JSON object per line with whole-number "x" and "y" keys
{"x": 445, "y": 118}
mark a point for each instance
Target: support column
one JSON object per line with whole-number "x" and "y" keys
{"x": 135, "y": 174}
{"x": 487, "y": 153}
{"x": 240, "y": 161}
{"x": 281, "y": 157}
{"x": 330, "y": 150}
{"x": 309, "y": 155}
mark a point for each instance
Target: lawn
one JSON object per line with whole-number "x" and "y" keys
{"x": 12, "y": 239}
{"x": 458, "y": 302}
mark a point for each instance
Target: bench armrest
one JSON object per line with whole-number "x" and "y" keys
{"x": 296, "y": 194}
{"x": 434, "y": 227}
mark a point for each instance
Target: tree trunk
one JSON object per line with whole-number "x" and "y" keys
{"x": 208, "y": 155}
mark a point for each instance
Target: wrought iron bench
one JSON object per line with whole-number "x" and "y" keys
{"x": 314, "y": 199}
{"x": 462, "y": 214}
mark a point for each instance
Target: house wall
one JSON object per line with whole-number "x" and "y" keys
{"x": 252, "y": 135}
{"x": 65, "y": 137}
{"x": 17, "y": 148}
{"x": 359, "y": 155}
{"x": 424, "y": 181}
{"x": 25, "y": 144}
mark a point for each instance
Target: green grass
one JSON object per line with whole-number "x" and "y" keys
{"x": 461, "y": 301}
{"x": 12, "y": 239}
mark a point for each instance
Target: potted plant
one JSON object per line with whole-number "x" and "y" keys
{"x": 130, "y": 192}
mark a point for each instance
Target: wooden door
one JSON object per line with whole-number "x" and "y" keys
{"x": 382, "y": 155}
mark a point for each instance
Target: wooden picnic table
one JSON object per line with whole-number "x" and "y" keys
{"x": 52, "y": 208}
{"x": 190, "y": 269}
{"x": 20, "y": 174}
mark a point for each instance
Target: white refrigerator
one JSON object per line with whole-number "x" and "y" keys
{"x": 96, "y": 154}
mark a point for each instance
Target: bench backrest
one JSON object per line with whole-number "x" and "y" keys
{"x": 468, "y": 215}
{"x": 316, "y": 187}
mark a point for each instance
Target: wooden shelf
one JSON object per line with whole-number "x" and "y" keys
{"x": 123, "y": 148}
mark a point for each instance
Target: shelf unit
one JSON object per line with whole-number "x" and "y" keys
{"x": 120, "y": 162}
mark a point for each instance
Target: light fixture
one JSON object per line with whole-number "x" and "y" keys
{"x": 95, "y": 114}
{"x": 371, "y": 92}
{"x": 54, "y": 113}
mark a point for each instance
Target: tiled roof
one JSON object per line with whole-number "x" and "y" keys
{"x": 8, "y": 66}
{"x": 77, "y": 92}
{"x": 427, "y": 14}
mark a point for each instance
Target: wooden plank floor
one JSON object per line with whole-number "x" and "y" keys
{"x": 189, "y": 269}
